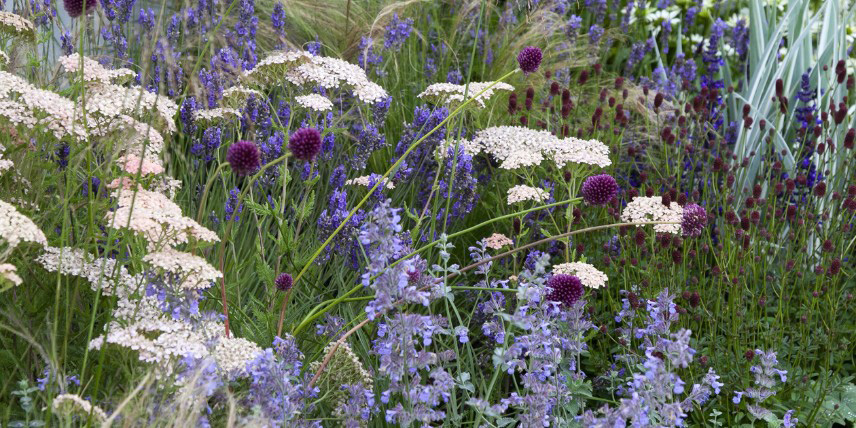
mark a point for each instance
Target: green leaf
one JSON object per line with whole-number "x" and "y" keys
{"x": 845, "y": 401}
{"x": 258, "y": 209}
{"x": 264, "y": 271}
{"x": 307, "y": 206}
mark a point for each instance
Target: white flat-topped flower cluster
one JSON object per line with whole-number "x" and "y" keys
{"x": 16, "y": 228}
{"x": 214, "y": 116}
{"x": 75, "y": 405}
{"x": 589, "y": 275}
{"x": 237, "y": 96}
{"x": 100, "y": 272}
{"x": 193, "y": 271}
{"x": 16, "y": 25}
{"x": 453, "y": 95}
{"x": 93, "y": 71}
{"x": 648, "y": 209}
{"x": 9, "y": 272}
{"x": 302, "y": 69}
{"x": 36, "y": 106}
{"x": 232, "y": 355}
{"x": 314, "y": 102}
{"x": 366, "y": 181}
{"x": 518, "y": 147}
{"x": 521, "y": 193}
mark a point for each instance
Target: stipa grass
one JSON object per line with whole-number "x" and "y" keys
{"x": 442, "y": 213}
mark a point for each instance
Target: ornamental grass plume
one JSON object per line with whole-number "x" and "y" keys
{"x": 244, "y": 157}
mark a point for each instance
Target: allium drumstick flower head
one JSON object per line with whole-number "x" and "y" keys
{"x": 284, "y": 282}
{"x": 693, "y": 220}
{"x": 305, "y": 144}
{"x": 599, "y": 189}
{"x": 75, "y": 7}
{"x": 565, "y": 289}
{"x": 529, "y": 59}
{"x": 244, "y": 157}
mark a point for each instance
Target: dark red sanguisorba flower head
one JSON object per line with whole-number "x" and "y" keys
{"x": 565, "y": 289}
{"x": 305, "y": 143}
{"x": 529, "y": 59}
{"x": 599, "y": 189}
{"x": 244, "y": 157}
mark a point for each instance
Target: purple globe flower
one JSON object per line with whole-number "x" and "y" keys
{"x": 599, "y": 189}
{"x": 565, "y": 289}
{"x": 305, "y": 143}
{"x": 244, "y": 157}
{"x": 694, "y": 220}
{"x": 529, "y": 59}
{"x": 283, "y": 282}
{"x": 75, "y": 7}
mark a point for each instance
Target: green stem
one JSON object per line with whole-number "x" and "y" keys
{"x": 207, "y": 189}
{"x": 316, "y": 313}
{"x": 228, "y": 234}
{"x": 383, "y": 180}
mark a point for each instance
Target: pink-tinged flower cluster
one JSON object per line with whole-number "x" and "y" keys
{"x": 133, "y": 164}
{"x": 497, "y": 241}
{"x": 156, "y": 218}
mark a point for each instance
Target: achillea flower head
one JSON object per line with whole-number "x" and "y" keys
{"x": 9, "y": 273}
{"x": 694, "y": 220}
{"x": 70, "y": 404}
{"x": 599, "y": 189}
{"x": 244, "y": 157}
{"x": 588, "y": 275}
{"x": 497, "y": 241}
{"x": 522, "y": 193}
{"x": 233, "y": 354}
{"x": 305, "y": 143}
{"x": 284, "y": 282}
{"x": 565, "y": 289}
{"x": 315, "y": 102}
{"x": 75, "y": 7}
{"x": 16, "y": 228}
{"x": 651, "y": 209}
{"x": 529, "y": 59}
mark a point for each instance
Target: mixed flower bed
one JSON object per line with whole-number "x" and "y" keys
{"x": 457, "y": 213}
